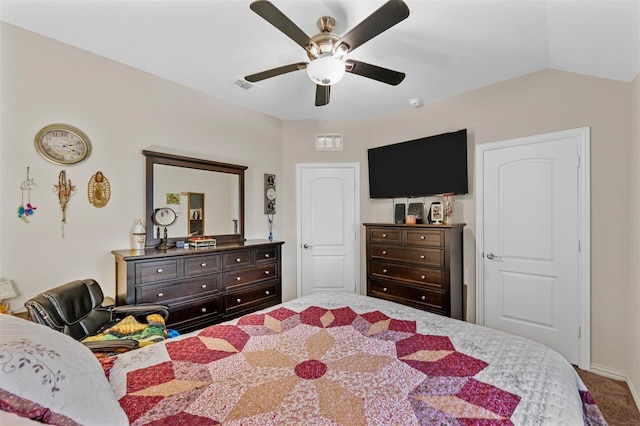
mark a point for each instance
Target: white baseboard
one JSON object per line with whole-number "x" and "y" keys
{"x": 608, "y": 372}
{"x": 617, "y": 375}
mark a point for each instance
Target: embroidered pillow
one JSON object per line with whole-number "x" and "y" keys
{"x": 51, "y": 377}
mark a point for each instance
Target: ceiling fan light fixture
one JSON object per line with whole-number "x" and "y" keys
{"x": 326, "y": 70}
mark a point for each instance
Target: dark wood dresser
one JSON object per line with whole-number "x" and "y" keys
{"x": 416, "y": 265}
{"x": 202, "y": 286}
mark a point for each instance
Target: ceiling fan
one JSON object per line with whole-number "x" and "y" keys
{"x": 327, "y": 51}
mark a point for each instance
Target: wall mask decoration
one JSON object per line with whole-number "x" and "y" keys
{"x": 64, "y": 189}
{"x": 26, "y": 210}
{"x": 99, "y": 190}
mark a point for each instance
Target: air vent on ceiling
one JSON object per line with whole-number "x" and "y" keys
{"x": 246, "y": 86}
{"x": 329, "y": 141}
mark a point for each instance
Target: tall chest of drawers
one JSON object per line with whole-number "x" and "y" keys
{"x": 416, "y": 265}
{"x": 202, "y": 286}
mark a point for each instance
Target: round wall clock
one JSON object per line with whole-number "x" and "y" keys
{"x": 63, "y": 144}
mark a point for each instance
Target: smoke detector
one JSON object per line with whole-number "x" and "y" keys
{"x": 416, "y": 102}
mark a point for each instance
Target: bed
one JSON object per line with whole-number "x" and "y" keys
{"x": 338, "y": 359}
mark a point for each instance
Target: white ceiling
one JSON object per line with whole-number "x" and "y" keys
{"x": 445, "y": 47}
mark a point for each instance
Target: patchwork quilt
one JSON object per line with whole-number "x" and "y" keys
{"x": 344, "y": 359}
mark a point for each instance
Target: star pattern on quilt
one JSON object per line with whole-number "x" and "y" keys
{"x": 319, "y": 366}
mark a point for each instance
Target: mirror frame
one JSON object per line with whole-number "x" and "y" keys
{"x": 153, "y": 158}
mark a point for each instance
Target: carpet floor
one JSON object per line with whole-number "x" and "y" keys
{"x": 613, "y": 397}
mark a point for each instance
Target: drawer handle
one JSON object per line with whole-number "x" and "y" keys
{"x": 266, "y": 255}
{"x": 422, "y": 256}
{"x": 204, "y": 310}
{"x": 267, "y": 292}
{"x": 384, "y": 252}
{"x": 203, "y": 286}
{"x": 238, "y": 300}
{"x": 238, "y": 278}
{"x": 424, "y": 297}
{"x": 422, "y": 237}
{"x": 423, "y": 277}
{"x": 238, "y": 259}
{"x": 384, "y": 289}
{"x": 266, "y": 272}
{"x": 203, "y": 264}
{"x": 384, "y": 235}
{"x": 160, "y": 294}
{"x": 159, "y": 270}
{"x": 384, "y": 271}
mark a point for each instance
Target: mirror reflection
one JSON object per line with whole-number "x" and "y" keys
{"x": 196, "y": 213}
{"x": 215, "y": 194}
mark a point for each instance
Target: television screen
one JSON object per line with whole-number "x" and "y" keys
{"x": 432, "y": 165}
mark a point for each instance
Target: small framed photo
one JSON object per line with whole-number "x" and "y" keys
{"x": 436, "y": 213}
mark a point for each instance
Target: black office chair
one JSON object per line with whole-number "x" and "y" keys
{"x": 76, "y": 309}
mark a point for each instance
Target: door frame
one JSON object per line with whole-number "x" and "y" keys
{"x": 356, "y": 212}
{"x": 582, "y": 135}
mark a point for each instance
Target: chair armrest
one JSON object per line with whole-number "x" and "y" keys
{"x": 118, "y": 345}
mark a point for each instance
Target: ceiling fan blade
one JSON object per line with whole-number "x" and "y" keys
{"x": 388, "y": 15}
{"x": 375, "y": 72}
{"x": 272, "y": 14}
{"x": 275, "y": 72}
{"x": 322, "y": 95}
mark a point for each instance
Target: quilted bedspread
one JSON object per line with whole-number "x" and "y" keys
{"x": 344, "y": 359}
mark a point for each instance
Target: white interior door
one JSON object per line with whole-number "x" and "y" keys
{"x": 328, "y": 237}
{"x": 530, "y": 258}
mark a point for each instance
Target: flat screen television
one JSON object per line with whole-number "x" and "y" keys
{"x": 422, "y": 167}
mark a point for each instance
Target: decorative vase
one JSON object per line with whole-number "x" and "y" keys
{"x": 448, "y": 208}
{"x": 139, "y": 236}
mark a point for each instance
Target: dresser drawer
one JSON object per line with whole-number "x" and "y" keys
{"x": 193, "y": 311}
{"x": 202, "y": 265}
{"x": 149, "y": 272}
{"x": 431, "y": 277}
{"x": 244, "y": 299}
{"x": 248, "y": 276}
{"x": 236, "y": 260}
{"x": 166, "y": 292}
{"x": 425, "y": 237}
{"x": 422, "y": 297}
{"x": 384, "y": 235}
{"x": 424, "y": 256}
{"x": 268, "y": 254}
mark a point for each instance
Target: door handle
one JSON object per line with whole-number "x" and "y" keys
{"x": 492, "y": 256}
{"x": 307, "y": 246}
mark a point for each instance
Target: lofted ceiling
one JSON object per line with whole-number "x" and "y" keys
{"x": 445, "y": 47}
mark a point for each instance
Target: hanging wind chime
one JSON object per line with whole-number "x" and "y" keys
{"x": 64, "y": 189}
{"x": 26, "y": 210}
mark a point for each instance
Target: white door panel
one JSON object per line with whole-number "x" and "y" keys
{"x": 328, "y": 223}
{"x": 531, "y": 240}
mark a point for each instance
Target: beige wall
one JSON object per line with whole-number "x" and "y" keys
{"x": 123, "y": 111}
{"x": 540, "y": 102}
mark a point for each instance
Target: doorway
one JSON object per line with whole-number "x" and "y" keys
{"x": 533, "y": 245}
{"x": 328, "y": 232}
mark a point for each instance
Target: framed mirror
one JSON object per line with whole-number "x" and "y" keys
{"x": 218, "y": 197}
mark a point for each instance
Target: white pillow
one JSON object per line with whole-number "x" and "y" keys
{"x": 48, "y": 375}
